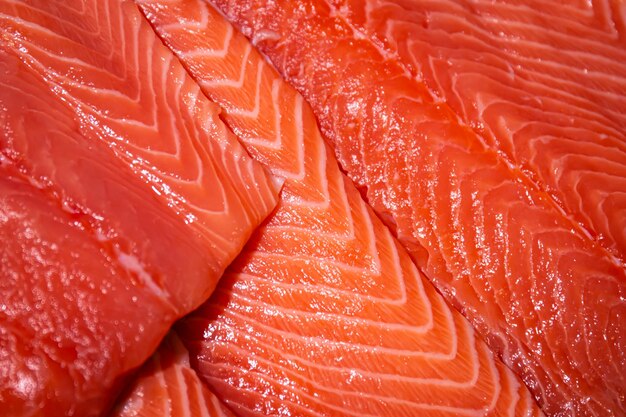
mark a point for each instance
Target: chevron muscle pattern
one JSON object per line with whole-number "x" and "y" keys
{"x": 129, "y": 200}
{"x": 128, "y": 89}
{"x": 550, "y": 97}
{"x": 323, "y": 313}
{"x": 544, "y": 293}
{"x": 167, "y": 386}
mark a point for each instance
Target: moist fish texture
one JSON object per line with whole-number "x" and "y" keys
{"x": 545, "y": 294}
{"x": 323, "y": 313}
{"x": 540, "y": 82}
{"x": 57, "y": 350}
{"x": 166, "y": 385}
{"x": 103, "y": 121}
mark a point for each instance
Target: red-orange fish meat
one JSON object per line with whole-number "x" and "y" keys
{"x": 125, "y": 199}
{"x": 508, "y": 192}
{"x": 324, "y": 312}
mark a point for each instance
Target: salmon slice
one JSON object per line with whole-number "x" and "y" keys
{"x": 164, "y": 205}
{"x": 65, "y": 317}
{"x": 546, "y": 296}
{"x": 542, "y": 83}
{"x": 167, "y": 386}
{"x": 323, "y": 313}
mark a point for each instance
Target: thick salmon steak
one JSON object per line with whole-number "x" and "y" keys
{"x": 518, "y": 219}
{"x": 140, "y": 198}
{"x": 323, "y": 313}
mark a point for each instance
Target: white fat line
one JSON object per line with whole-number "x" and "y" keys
{"x": 133, "y": 265}
{"x": 339, "y": 393}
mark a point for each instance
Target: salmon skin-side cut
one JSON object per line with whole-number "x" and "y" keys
{"x": 100, "y": 118}
{"x": 167, "y": 386}
{"x": 323, "y": 313}
{"x": 546, "y": 295}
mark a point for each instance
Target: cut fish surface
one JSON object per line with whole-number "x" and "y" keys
{"x": 323, "y": 313}
{"x": 548, "y": 298}
{"x": 541, "y": 82}
{"x": 71, "y": 316}
{"x": 129, "y": 147}
{"x": 167, "y": 386}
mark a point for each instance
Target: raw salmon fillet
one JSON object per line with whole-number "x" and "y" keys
{"x": 150, "y": 198}
{"x": 323, "y": 313}
{"x": 167, "y": 386}
{"x": 545, "y": 294}
{"x": 541, "y": 82}
{"x": 66, "y": 329}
